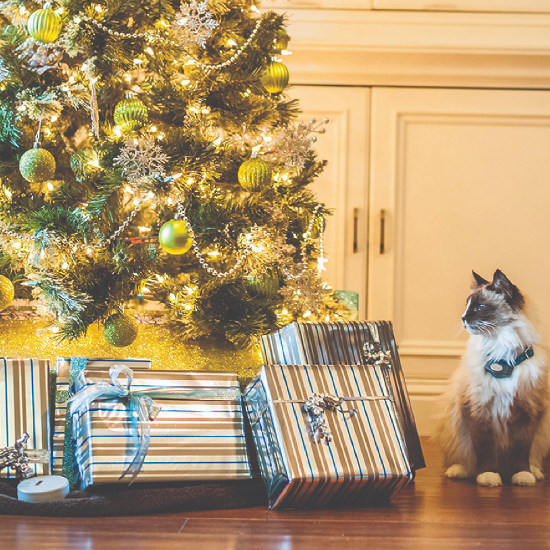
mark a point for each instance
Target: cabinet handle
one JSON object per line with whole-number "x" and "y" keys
{"x": 355, "y": 230}
{"x": 382, "y": 231}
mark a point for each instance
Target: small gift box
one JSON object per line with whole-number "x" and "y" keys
{"x": 63, "y": 422}
{"x": 158, "y": 426}
{"x": 352, "y": 343}
{"x": 326, "y": 435}
{"x": 24, "y": 406}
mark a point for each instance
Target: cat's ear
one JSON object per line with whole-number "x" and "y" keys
{"x": 502, "y": 285}
{"x": 478, "y": 280}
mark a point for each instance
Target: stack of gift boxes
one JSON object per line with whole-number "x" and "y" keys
{"x": 330, "y": 418}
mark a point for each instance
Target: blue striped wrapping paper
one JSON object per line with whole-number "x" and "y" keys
{"x": 343, "y": 344}
{"x": 62, "y": 383}
{"x": 364, "y": 464}
{"x": 190, "y": 439}
{"x": 24, "y": 402}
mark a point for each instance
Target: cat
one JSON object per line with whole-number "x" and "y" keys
{"x": 495, "y": 422}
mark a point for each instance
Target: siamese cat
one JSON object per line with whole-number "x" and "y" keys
{"x": 495, "y": 424}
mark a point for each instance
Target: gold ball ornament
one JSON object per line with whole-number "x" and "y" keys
{"x": 275, "y": 78}
{"x": 174, "y": 237}
{"x": 7, "y": 292}
{"x": 130, "y": 114}
{"x": 255, "y": 174}
{"x": 44, "y": 26}
{"x": 37, "y": 165}
{"x": 120, "y": 330}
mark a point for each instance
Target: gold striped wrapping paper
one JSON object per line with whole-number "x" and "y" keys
{"x": 24, "y": 402}
{"x": 364, "y": 464}
{"x": 63, "y": 367}
{"x": 342, "y": 344}
{"x": 190, "y": 439}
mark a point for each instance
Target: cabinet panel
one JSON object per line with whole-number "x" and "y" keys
{"x": 342, "y": 186}
{"x": 463, "y": 178}
{"x": 500, "y": 6}
{"x": 320, "y": 4}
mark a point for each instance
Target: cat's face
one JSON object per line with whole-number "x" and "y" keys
{"x": 491, "y": 306}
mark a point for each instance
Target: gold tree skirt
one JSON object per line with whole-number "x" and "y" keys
{"x": 29, "y": 338}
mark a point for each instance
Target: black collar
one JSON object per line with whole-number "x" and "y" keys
{"x": 502, "y": 369}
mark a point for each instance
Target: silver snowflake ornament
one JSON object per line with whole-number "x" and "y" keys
{"x": 194, "y": 24}
{"x": 295, "y": 142}
{"x": 141, "y": 158}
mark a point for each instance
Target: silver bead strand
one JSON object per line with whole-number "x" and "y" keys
{"x": 202, "y": 262}
{"x": 304, "y": 260}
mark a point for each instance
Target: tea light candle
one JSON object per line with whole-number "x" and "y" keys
{"x": 43, "y": 489}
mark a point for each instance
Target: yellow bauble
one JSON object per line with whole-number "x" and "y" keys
{"x": 44, "y": 26}
{"x": 6, "y": 292}
{"x": 131, "y": 114}
{"x": 174, "y": 237}
{"x": 275, "y": 78}
{"x": 120, "y": 330}
{"x": 255, "y": 174}
{"x": 37, "y": 165}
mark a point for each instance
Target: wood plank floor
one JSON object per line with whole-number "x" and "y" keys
{"x": 432, "y": 513}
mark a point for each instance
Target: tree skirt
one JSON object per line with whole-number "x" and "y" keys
{"x": 140, "y": 499}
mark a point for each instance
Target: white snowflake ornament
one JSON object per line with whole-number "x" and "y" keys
{"x": 4, "y": 71}
{"x": 194, "y": 24}
{"x": 296, "y": 141}
{"x": 141, "y": 158}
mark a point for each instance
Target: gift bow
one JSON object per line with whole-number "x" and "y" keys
{"x": 142, "y": 408}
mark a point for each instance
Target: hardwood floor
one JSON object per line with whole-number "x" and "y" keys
{"x": 432, "y": 513}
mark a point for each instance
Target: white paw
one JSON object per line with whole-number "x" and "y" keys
{"x": 456, "y": 471}
{"x": 537, "y": 472}
{"x": 489, "y": 479}
{"x": 524, "y": 478}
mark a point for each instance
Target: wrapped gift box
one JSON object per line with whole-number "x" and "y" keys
{"x": 197, "y": 435}
{"x": 344, "y": 344}
{"x": 364, "y": 463}
{"x": 24, "y": 406}
{"x": 61, "y": 420}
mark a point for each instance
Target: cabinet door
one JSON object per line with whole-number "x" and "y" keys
{"x": 501, "y": 6}
{"x": 462, "y": 178}
{"x": 342, "y": 185}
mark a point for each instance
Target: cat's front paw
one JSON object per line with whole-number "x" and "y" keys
{"x": 489, "y": 479}
{"x": 456, "y": 471}
{"x": 537, "y": 472}
{"x": 524, "y": 479}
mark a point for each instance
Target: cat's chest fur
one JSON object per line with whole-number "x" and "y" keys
{"x": 490, "y": 398}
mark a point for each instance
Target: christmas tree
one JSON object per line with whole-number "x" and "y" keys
{"x": 148, "y": 151}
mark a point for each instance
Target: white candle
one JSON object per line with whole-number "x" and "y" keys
{"x": 43, "y": 489}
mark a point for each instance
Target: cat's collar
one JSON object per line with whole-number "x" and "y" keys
{"x": 503, "y": 369}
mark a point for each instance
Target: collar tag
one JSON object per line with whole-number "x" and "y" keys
{"x": 502, "y": 369}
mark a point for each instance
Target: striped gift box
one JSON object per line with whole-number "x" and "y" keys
{"x": 62, "y": 384}
{"x": 343, "y": 344}
{"x": 191, "y": 438}
{"x": 24, "y": 400}
{"x": 365, "y": 463}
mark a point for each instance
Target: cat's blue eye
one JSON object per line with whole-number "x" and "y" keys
{"x": 479, "y": 307}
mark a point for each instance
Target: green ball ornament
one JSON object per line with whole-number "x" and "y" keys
{"x": 7, "y": 292}
{"x": 44, "y": 26}
{"x": 174, "y": 237}
{"x": 265, "y": 285}
{"x": 255, "y": 174}
{"x": 131, "y": 114}
{"x": 120, "y": 330}
{"x": 275, "y": 78}
{"x": 37, "y": 165}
